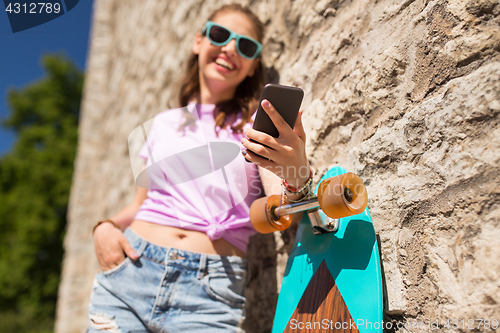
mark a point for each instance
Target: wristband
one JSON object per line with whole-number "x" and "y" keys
{"x": 104, "y": 221}
{"x": 301, "y": 189}
{"x": 306, "y": 195}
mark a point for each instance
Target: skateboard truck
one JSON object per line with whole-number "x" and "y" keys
{"x": 339, "y": 196}
{"x": 320, "y": 227}
{"x": 312, "y": 208}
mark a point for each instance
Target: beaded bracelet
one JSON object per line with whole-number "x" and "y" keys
{"x": 306, "y": 194}
{"x": 301, "y": 189}
{"x": 304, "y": 197}
{"x": 104, "y": 221}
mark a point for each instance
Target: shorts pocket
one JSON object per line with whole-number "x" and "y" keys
{"x": 118, "y": 268}
{"x": 228, "y": 289}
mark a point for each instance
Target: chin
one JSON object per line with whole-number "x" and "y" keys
{"x": 222, "y": 77}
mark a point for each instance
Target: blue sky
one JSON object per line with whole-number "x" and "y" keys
{"x": 20, "y": 52}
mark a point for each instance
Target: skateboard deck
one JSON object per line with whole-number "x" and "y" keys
{"x": 332, "y": 281}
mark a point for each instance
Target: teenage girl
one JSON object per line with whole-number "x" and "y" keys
{"x": 174, "y": 259}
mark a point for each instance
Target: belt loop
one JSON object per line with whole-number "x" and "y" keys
{"x": 203, "y": 266}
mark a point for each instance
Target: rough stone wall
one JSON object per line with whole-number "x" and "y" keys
{"x": 404, "y": 93}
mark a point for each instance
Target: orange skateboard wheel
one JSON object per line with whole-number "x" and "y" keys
{"x": 263, "y": 218}
{"x": 342, "y": 195}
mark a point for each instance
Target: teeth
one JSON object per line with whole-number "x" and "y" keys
{"x": 224, "y": 63}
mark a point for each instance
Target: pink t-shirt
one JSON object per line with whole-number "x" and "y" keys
{"x": 198, "y": 180}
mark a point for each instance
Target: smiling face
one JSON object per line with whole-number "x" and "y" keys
{"x": 222, "y": 68}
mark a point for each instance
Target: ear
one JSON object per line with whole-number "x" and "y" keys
{"x": 253, "y": 68}
{"x": 197, "y": 43}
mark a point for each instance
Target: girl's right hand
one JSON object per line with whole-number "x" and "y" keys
{"x": 111, "y": 246}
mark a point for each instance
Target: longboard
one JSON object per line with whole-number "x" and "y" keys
{"x": 332, "y": 281}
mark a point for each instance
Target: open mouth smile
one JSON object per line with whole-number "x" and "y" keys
{"x": 225, "y": 64}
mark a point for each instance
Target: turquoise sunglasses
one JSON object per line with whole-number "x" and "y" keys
{"x": 247, "y": 47}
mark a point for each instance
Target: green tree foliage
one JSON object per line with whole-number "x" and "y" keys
{"x": 35, "y": 179}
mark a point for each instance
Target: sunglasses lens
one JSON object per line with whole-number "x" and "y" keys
{"x": 218, "y": 34}
{"x": 247, "y": 47}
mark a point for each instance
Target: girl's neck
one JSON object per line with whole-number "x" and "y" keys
{"x": 208, "y": 98}
{"x": 212, "y": 94}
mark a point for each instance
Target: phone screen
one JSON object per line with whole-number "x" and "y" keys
{"x": 286, "y": 100}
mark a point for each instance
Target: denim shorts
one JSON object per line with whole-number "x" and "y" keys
{"x": 169, "y": 290}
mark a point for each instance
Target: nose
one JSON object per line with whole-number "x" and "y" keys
{"x": 230, "y": 48}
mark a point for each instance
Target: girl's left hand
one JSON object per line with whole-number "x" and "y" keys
{"x": 285, "y": 155}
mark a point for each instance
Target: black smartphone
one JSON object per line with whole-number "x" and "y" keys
{"x": 285, "y": 99}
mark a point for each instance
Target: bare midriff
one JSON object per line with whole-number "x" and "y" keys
{"x": 182, "y": 239}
